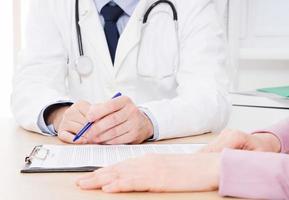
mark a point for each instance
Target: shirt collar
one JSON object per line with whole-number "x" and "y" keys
{"x": 128, "y": 6}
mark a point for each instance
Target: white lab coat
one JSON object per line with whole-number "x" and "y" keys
{"x": 186, "y": 96}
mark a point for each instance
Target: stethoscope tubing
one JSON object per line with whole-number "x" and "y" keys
{"x": 87, "y": 60}
{"x": 175, "y": 13}
{"x": 78, "y": 29}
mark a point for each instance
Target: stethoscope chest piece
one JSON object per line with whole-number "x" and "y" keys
{"x": 84, "y": 66}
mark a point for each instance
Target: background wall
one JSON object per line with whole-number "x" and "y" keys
{"x": 263, "y": 43}
{"x": 6, "y": 56}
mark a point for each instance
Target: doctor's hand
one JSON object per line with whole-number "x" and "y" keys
{"x": 234, "y": 139}
{"x": 69, "y": 120}
{"x": 118, "y": 121}
{"x": 157, "y": 173}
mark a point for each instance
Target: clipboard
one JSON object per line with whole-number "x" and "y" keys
{"x": 34, "y": 155}
{"x": 87, "y": 158}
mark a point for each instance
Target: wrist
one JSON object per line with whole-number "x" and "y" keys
{"x": 270, "y": 140}
{"x": 216, "y": 168}
{"x": 149, "y": 127}
{"x": 55, "y": 116}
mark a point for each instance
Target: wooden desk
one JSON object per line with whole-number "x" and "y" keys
{"x": 16, "y": 143}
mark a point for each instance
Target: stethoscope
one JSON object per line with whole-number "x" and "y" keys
{"x": 84, "y": 64}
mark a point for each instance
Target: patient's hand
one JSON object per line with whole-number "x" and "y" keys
{"x": 239, "y": 140}
{"x": 157, "y": 173}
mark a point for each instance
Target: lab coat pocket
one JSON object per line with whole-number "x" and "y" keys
{"x": 159, "y": 48}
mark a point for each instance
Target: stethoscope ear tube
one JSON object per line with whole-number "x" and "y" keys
{"x": 78, "y": 30}
{"x": 175, "y": 13}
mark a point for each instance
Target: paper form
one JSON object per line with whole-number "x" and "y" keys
{"x": 68, "y": 156}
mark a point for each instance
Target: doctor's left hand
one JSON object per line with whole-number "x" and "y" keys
{"x": 118, "y": 121}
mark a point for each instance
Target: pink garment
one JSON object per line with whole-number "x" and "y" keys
{"x": 257, "y": 175}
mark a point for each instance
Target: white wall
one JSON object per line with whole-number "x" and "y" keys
{"x": 264, "y": 44}
{"x": 6, "y": 56}
{"x": 267, "y": 73}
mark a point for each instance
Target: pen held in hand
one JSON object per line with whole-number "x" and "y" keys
{"x": 89, "y": 124}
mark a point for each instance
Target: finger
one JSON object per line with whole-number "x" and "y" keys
{"x": 126, "y": 138}
{"x": 82, "y": 107}
{"x": 109, "y": 122}
{"x": 112, "y": 133}
{"x": 72, "y": 127}
{"x": 85, "y": 176}
{"x": 98, "y": 171}
{"x": 68, "y": 137}
{"x": 101, "y": 110}
{"x": 125, "y": 185}
{"x": 73, "y": 114}
{"x": 217, "y": 144}
{"x": 80, "y": 117}
{"x": 233, "y": 142}
{"x": 97, "y": 181}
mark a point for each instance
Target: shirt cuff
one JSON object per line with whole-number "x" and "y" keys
{"x": 153, "y": 121}
{"x": 48, "y": 129}
{"x": 280, "y": 130}
{"x": 253, "y": 175}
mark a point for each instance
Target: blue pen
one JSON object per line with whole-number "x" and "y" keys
{"x": 89, "y": 124}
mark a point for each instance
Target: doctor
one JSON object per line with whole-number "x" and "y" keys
{"x": 167, "y": 59}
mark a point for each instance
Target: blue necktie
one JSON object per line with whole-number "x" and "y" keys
{"x": 111, "y": 14}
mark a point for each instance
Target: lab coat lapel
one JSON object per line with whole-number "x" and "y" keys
{"x": 130, "y": 36}
{"x": 92, "y": 30}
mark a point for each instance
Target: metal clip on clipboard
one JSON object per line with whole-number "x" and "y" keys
{"x": 35, "y": 154}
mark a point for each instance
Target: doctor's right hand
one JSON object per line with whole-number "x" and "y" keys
{"x": 68, "y": 120}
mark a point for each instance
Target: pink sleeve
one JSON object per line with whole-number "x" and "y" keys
{"x": 254, "y": 175}
{"x": 281, "y": 130}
